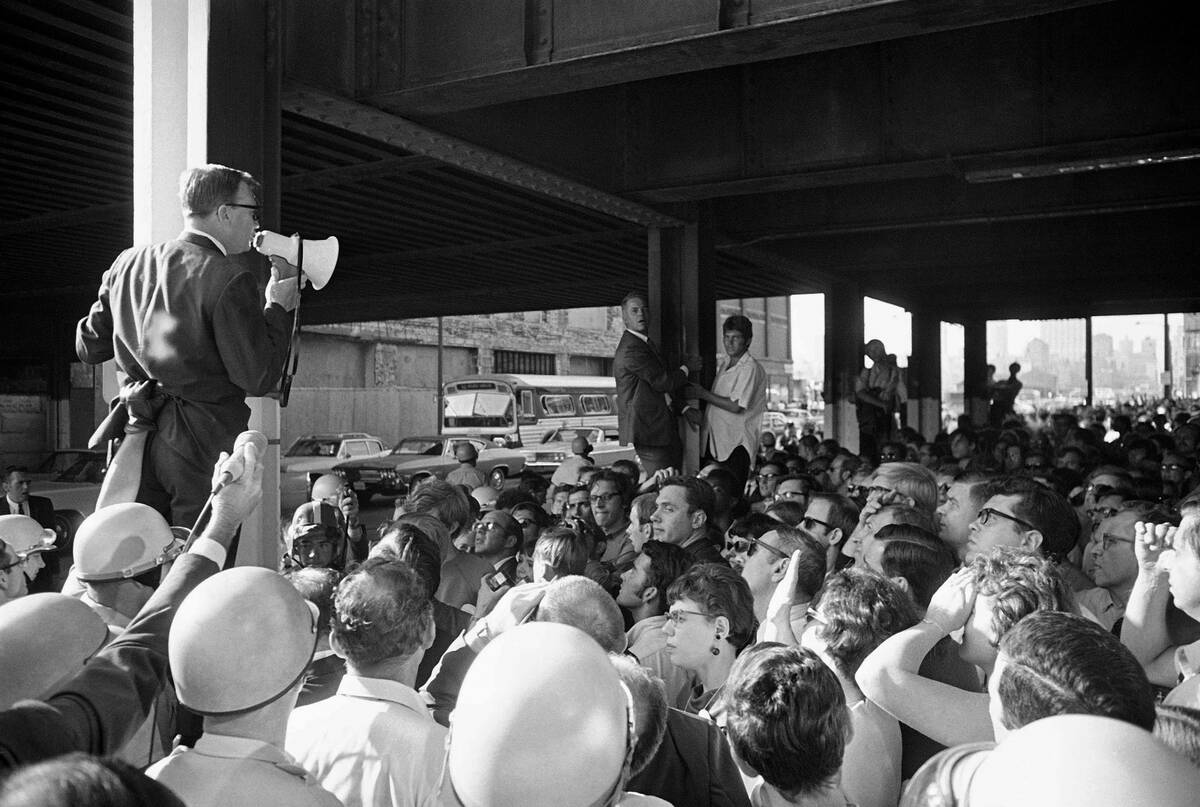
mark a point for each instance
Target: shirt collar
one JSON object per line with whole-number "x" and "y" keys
{"x": 13, "y": 507}
{"x": 224, "y": 745}
{"x": 381, "y": 689}
{"x": 216, "y": 243}
{"x": 642, "y": 336}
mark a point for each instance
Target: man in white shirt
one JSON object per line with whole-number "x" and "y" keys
{"x": 733, "y": 418}
{"x": 374, "y": 742}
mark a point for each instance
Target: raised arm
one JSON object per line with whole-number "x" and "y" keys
{"x": 101, "y": 707}
{"x": 1144, "y": 630}
{"x": 889, "y": 675}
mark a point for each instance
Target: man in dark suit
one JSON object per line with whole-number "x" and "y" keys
{"x": 643, "y": 383}
{"x": 17, "y": 501}
{"x": 188, "y": 315}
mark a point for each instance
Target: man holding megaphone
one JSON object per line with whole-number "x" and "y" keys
{"x": 191, "y": 331}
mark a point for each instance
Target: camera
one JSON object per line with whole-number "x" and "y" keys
{"x": 497, "y": 580}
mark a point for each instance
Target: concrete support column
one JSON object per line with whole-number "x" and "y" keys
{"x": 843, "y": 361}
{"x": 682, "y": 306}
{"x": 485, "y": 360}
{"x": 976, "y": 397}
{"x": 206, "y": 89}
{"x": 925, "y": 375}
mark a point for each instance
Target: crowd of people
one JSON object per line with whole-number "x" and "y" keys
{"x": 946, "y": 625}
{"x": 1001, "y": 616}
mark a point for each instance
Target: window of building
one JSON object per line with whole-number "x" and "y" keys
{"x": 517, "y": 361}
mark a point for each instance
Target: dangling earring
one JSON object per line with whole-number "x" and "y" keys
{"x": 716, "y": 651}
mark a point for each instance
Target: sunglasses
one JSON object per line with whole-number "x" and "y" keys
{"x": 748, "y": 545}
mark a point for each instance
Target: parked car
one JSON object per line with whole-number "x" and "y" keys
{"x": 556, "y": 447}
{"x": 416, "y": 458}
{"x": 315, "y": 454}
{"x": 81, "y": 464}
{"x": 70, "y": 479}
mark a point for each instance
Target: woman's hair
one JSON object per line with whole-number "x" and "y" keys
{"x": 563, "y": 550}
{"x": 922, "y": 559}
{"x": 1020, "y": 582}
{"x": 860, "y": 608}
{"x": 720, "y": 591}
{"x": 786, "y": 717}
{"x": 1179, "y": 728}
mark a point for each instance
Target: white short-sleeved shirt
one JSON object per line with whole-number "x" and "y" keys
{"x": 745, "y": 382}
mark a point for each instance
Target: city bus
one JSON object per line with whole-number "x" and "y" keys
{"x": 519, "y": 410}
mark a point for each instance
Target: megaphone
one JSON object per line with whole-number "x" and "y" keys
{"x": 319, "y": 257}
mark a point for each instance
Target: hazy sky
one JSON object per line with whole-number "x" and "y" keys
{"x": 893, "y": 325}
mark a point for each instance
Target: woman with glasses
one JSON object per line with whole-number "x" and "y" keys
{"x": 710, "y": 619}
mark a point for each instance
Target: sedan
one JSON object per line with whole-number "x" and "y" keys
{"x": 316, "y": 454}
{"x": 556, "y": 447}
{"x": 417, "y": 458}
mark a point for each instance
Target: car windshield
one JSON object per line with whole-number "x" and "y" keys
{"x": 567, "y": 435}
{"x": 86, "y": 468}
{"x": 479, "y": 409}
{"x": 313, "y": 447}
{"x": 427, "y": 446}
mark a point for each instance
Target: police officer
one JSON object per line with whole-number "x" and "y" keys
{"x": 46, "y": 638}
{"x": 507, "y": 749}
{"x": 26, "y": 540}
{"x": 243, "y": 675}
{"x": 120, "y": 552}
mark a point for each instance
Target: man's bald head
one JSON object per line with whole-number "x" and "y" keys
{"x": 582, "y": 603}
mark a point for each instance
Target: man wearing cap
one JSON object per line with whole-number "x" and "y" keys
{"x": 374, "y": 742}
{"x": 567, "y": 472}
{"x": 317, "y": 537}
{"x": 643, "y": 383}
{"x": 18, "y": 501}
{"x": 26, "y": 540}
{"x": 243, "y": 675}
{"x": 556, "y": 679}
{"x": 119, "y": 552}
{"x": 466, "y": 474}
{"x": 97, "y": 710}
{"x": 189, "y": 315}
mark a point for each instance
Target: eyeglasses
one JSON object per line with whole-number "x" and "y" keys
{"x": 747, "y": 545}
{"x": 809, "y": 521}
{"x": 525, "y": 522}
{"x": 769, "y": 476}
{"x": 255, "y": 210}
{"x": 1108, "y": 540}
{"x": 602, "y": 498}
{"x": 1175, "y": 466}
{"x": 1098, "y": 514}
{"x": 1100, "y": 490}
{"x": 878, "y": 490}
{"x": 676, "y": 615}
{"x": 792, "y": 494}
{"x": 485, "y": 526}
{"x": 986, "y": 514}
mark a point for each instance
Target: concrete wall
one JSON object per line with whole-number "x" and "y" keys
{"x": 386, "y": 412}
{"x": 24, "y": 429}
